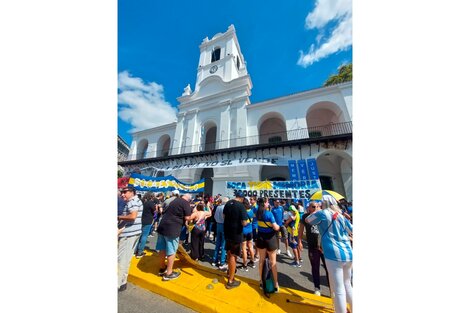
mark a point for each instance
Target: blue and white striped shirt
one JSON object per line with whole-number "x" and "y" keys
{"x": 135, "y": 227}
{"x": 334, "y": 235}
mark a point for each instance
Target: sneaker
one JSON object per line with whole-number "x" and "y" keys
{"x": 276, "y": 289}
{"x": 233, "y": 284}
{"x": 301, "y": 260}
{"x": 151, "y": 236}
{"x": 162, "y": 271}
{"x": 278, "y": 251}
{"x": 223, "y": 267}
{"x": 173, "y": 275}
{"x": 213, "y": 263}
{"x": 139, "y": 255}
{"x": 245, "y": 268}
{"x": 317, "y": 292}
{"x": 289, "y": 254}
{"x": 251, "y": 264}
{"x": 295, "y": 264}
{"x": 123, "y": 287}
{"x": 256, "y": 259}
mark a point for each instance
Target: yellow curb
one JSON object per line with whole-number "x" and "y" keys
{"x": 191, "y": 289}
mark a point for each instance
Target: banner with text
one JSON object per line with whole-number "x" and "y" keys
{"x": 214, "y": 164}
{"x": 293, "y": 173}
{"x": 165, "y": 183}
{"x": 275, "y": 189}
{"x": 302, "y": 165}
{"x": 312, "y": 169}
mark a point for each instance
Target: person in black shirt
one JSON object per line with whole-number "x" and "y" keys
{"x": 147, "y": 219}
{"x": 169, "y": 228}
{"x": 313, "y": 241}
{"x": 234, "y": 219}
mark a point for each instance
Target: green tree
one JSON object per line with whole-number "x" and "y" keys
{"x": 344, "y": 75}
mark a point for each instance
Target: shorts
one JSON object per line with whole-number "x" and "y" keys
{"x": 232, "y": 247}
{"x": 167, "y": 244}
{"x": 255, "y": 233}
{"x": 248, "y": 237}
{"x": 293, "y": 241}
{"x": 282, "y": 233}
{"x": 267, "y": 241}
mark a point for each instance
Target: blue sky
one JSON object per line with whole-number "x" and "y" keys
{"x": 289, "y": 46}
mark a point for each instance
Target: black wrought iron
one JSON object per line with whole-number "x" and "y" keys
{"x": 317, "y": 132}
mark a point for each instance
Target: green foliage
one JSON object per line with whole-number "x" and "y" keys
{"x": 344, "y": 75}
{"x": 120, "y": 173}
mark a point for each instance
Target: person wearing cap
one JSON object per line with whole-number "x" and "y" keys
{"x": 169, "y": 228}
{"x": 127, "y": 242}
{"x": 335, "y": 230}
{"x": 234, "y": 219}
{"x": 174, "y": 194}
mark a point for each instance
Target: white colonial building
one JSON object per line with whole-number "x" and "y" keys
{"x": 217, "y": 121}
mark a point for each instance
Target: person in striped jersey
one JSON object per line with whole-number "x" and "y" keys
{"x": 128, "y": 238}
{"x": 267, "y": 240}
{"x": 335, "y": 230}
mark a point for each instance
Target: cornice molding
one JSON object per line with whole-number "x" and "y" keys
{"x": 246, "y": 86}
{"x": 155, "y": 129}
{"x": 302, "y": 95}
{"x": 217, "y": 37}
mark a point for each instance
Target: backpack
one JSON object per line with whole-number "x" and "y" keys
{"x": 267, "y": 278}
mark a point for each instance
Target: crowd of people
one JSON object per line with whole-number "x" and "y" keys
{"x": 249, "y": 228}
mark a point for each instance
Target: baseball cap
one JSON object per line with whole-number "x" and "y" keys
{"x": 128, "y": 188}
{"x": 175, "y": 192}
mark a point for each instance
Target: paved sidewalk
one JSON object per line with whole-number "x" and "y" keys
{"x": 202, "y": 288}
{"x": 288, "y": 276}
{"x": 139, "y": 300}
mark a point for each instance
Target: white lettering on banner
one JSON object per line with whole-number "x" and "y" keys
{"x": 274, "y": 193}
{"x": 217, "y": 164}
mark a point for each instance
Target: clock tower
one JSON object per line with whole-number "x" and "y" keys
{"x": 220, "y": 63}
{"x": 214, "y": 115}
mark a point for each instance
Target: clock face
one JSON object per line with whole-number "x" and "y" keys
{"x": 213, "y": 69}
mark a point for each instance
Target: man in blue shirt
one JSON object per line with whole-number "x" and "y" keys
{"x": 278, "y": 213}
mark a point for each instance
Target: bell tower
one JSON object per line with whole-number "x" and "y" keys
{"x": 220, "y": 57}
{"x": 215, "y": 111}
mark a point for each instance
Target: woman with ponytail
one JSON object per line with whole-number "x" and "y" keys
{"x": 267, "y": 240}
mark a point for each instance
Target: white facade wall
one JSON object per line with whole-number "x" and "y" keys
{"x": 222, "y": 99}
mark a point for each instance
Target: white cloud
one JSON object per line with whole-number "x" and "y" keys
{"x": 143, "y": 104}
{"x": 326, "y": 11}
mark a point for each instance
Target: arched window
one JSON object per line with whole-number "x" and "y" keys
{"x": 215, "y": 55}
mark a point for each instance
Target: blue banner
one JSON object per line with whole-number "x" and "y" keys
{"x": 312, "y": 169}
{"x": 294, "y": 175}
{"x": 302, "y": 165}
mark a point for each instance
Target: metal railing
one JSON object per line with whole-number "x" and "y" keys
{"x": 317, "y": 132}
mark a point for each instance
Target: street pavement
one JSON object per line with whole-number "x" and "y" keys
{"x": 288, "y": 276}
{"x": 138, "y": 300}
